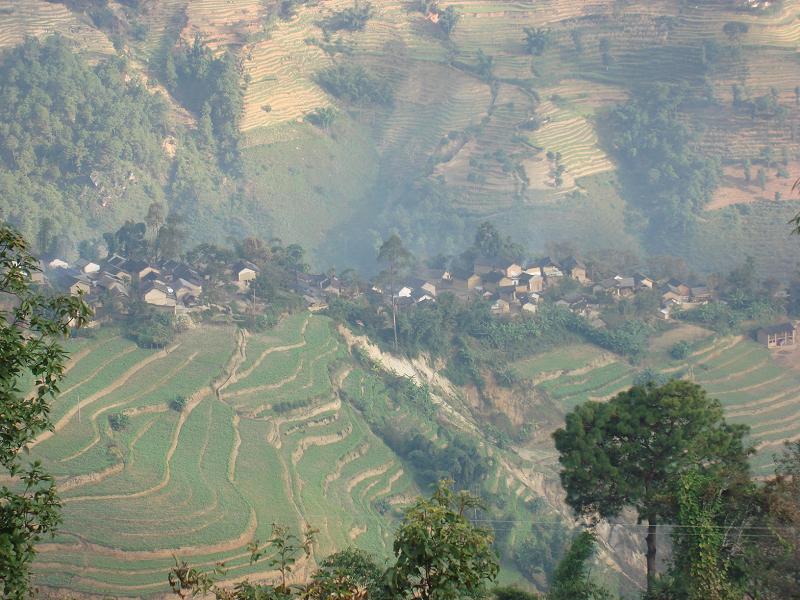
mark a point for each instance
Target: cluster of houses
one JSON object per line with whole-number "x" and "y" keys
{"x": 167, "y": 285}
{"x": 512, "y": 289}
{"x": 515, "y": 289}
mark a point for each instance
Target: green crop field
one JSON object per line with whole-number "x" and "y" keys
{"x": 754, "y": 387}
{"x": 264, "y": 438}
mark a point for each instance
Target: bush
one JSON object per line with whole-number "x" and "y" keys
{"x": 353, "y": 18}
{"x": 118, "y": 421}
{"x": 178, "y": 403}
{"x": 354, "y": 84}
{"x": 680, "y": 350}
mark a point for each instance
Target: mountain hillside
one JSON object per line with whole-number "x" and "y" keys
{"x": 486, "y": 121}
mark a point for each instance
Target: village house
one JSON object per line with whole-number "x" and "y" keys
{"x": 493, "y": 280}
{"x": 575, "y": 269}
{"x": 57, "y": 263}
{"x": 777, "y": 336}
{"x": 481, "y": 266}
{"x": 331, "y": 285}
{"x": 672, "y": 299}
{"x": 72, "y": 281}
{"x": 243, "y": 273}
{"x": 529, "y": 308}
{"x": 643, "y": 281}
{"x": 680, "y": 289}
{"x": 509, "y": 269}
{"x": 426, "y": 286}
{"x": 139, "y": 269}
{"x": 701, "y": 294}
{"x": 500, "y": 307}
{"x": 507, "y": 293}
{"x": 185, "y": 288}
{"x": 78, "y": 285}
{"x": 551, "y": 271}
{"x": 625, "y": 286}
{"x": 157, "y": 293}
{"x": 111, "y": 284}
{"x": 420, "y": 295}
{"x": 87, "y": 267}
{"x": 531, "y": 280}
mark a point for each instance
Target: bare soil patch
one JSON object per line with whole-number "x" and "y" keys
{"x": 734, "y": 189}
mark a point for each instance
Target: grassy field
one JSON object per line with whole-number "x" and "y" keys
{"x": 205, "y": 482}
{"x": 275, "y": 429}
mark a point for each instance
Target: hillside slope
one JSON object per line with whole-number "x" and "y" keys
{"x": 454, "y": 125}
{"x": 292, "y": 426}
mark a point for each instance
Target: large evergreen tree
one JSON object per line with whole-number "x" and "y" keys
{"x": 632, "y": 451}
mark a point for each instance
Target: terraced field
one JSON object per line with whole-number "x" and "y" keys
{"x": 754, "y": 385}
{"x": 263, "y": 438}
{"x": 40, "y": 18}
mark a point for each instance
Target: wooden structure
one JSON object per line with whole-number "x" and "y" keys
{"x": 777, "y": 336}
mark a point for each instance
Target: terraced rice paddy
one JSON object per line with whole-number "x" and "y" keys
{"x": 263, "y": 438}
{"x": 753, "y": 387}
{"x": 40, "y": 18}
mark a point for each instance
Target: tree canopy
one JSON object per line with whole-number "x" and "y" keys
{"x": 632, "y": 450}
{"x": 439, "y": 554}
{"x": 653, "y": 143}
{"x": 30, "y": 348}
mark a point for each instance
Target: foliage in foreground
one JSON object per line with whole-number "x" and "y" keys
{"x": 439, "y": 555}
{"x": 31, "y": 326}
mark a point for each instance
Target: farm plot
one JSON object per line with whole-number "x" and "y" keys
{"x": 204, "y": 482}
{"x": 755, "y": 391}
{"x": 753, "y": 388}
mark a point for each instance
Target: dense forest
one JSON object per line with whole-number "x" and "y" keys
{"x": 78, "y": 143}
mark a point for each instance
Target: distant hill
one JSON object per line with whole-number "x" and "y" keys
{"x": 488, "y": 121}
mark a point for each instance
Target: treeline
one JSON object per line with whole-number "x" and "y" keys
{"x": 211, "y": 88}
{"x": 86, "y": 147}
{"x": 73, "y": 138}
{"x": 161, "y": 236}
{"x": 667, "y": 176}
{"x": 742, "y": 298}
{"x": 447, "y": 454}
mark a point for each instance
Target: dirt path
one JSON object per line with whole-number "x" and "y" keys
{"x": 257, "y": 363}
{"x": 319, "y": 440}
{"x": 237, "y": 442}
{"x": 355, "y": 454}
{"x": 122, "y": 380}
{"x": 78, "y": 480}
{"x": 715, "y": 352}
{"x": 749, "y": 388}
{"x": 84, "y": 546}
{"x": 142, "y": 410}
{"x": 102, "y": 366}
{"x": 758, "y": 407}
{"x": 268, "y": 386}
{"x": 367, "y": 474}
{"x": 301, "y": 414}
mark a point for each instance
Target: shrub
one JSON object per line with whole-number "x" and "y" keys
{"x": 178, "y": 403}
{"x": 353, "y": 18}
{"x": 118, "y": 421}
{"x": 680, "y": 350}
{"x": 355, "y": 84}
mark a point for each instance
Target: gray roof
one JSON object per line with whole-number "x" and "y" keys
{"x": 779, "y": 328}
